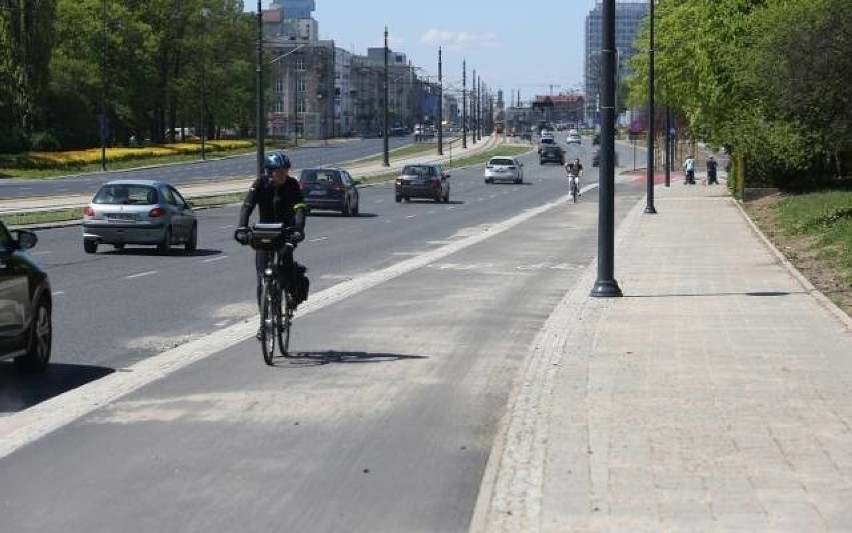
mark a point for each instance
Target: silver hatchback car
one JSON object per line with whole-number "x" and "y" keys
{"x": 139, "y": 212}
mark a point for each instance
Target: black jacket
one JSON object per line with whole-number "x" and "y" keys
{"x": 275, "y": 203}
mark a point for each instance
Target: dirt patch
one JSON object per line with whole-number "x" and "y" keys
{"x": 803, "y": 251}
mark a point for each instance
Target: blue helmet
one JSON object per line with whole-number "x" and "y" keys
{"x": 277, "y": 160}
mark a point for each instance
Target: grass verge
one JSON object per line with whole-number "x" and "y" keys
{"x": 814, "y": 231}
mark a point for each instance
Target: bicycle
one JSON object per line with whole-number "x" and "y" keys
{"x": 573, "y": 186}
{"x": 275, "y": 321}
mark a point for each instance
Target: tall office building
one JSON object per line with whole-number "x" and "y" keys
{"x": 296, "y": 9}
{"x": 628, "y": 16}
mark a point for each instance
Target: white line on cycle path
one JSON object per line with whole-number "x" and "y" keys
{"x": 29, "y": 425}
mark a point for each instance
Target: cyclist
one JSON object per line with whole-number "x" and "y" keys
{"x": 575, "y": 170}
{"x": 279, "y": 199}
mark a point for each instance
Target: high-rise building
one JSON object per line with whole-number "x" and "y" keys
{"x": 628, "y": 16}
{"x": 295, "y": 9}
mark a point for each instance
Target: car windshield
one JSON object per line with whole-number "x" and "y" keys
{"x": 547, "y": 140}
{"x": 418, "y": 170}
{"x": 126, "y": 194}
{"x": 502, "y": 161}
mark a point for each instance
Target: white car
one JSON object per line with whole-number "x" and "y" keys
{"x": 504, "y": 168}
{"x": 573, "y": 138}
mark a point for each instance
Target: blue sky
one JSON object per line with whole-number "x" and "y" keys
{"x": 512, "y": 46}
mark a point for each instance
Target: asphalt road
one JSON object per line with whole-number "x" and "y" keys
{"x": 213, "y": 169}
{"x": 383, "y": 423}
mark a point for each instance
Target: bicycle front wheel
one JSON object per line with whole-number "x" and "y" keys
{"x": 285, "y": 320}
{"x": 268, "y": 321}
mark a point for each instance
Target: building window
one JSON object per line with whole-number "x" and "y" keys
{"x": 279, "y": 84}
{"x": 300, "y": 105}
{"x": 300, "y": 64}
{"x": 279, "y": 106}
{"x": 300, "y": 85}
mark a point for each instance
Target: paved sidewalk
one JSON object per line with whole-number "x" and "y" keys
{"x": 715, "y": 396}
{"x": 227, "y": 186}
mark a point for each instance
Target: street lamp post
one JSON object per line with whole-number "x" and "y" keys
{"x": 385, "y": 144}
{"x": 649, "y": 202}
{"x": 260, "y": 126}
{"x": 464, "y": 104}
{"x": 103, "y": 89}
{"x": 473, "y": 108}
{"x": 205, "y": 12}
{"x": 606, "y": 286}
{"x": 440, "y": 107}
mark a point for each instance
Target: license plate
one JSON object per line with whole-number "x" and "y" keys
{"x": 123, "y": 217}
{"x": 318, "y": 192}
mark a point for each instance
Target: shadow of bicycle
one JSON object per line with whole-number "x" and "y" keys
{"x": 316, "y": 358}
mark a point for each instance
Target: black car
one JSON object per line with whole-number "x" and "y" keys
{"x": 25, "y": 302}
{"x": 330, "y": 188}
{"x": 422, "y": 181}
{"x": 552, "y": 154}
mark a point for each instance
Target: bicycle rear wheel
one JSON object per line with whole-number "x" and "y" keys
{"x": 268, "y": 321}
{"x": 285, "y": 320}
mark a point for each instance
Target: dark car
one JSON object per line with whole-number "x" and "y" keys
{"x": 25, "y": 302}
{"x": 552, "y": 154}
{"x": 596, "y": 158}
{"x": 422, "y": 181}
{"x": 596, "y": 140}
{"x": 330, "y": 188}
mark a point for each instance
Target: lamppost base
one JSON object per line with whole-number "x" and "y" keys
{"x": 606, "y": 289}
{"x": 650, "y": 210}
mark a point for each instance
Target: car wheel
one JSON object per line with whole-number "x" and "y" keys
{"x": 192, "y": 243}
{"x": 487, "y": 181}
{"x": 356, "y": 209}
{"x": 41, "y": 334}
{"x": 166, "y": 244}
{"x": 346, "y": 211}
{"x": 119, "y": 246}
{"x": 90, "y": 247}
{"x": 398, "y": 198}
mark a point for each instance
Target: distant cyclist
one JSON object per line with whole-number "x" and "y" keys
{"x": 575, "y": 171}
{"x": 279, "y": 199}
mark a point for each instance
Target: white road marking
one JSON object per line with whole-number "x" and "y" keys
{"x": 41, "y": 252}
{"x": 451, "y": 207}
{"x": 379, "y": 201}
{"x": 58, "y": 293}
{"x": 214, "y": 259}
{"x": 29, "y": 425}
{"x": 318, "y": 239}
{"x": 141, "y": 274}
{"x": 410, "y": 216}
{"x": 221, "y": 324}
{"x": 229, "y": 226}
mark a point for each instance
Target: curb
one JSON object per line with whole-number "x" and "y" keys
{"x": 822, "y": 299}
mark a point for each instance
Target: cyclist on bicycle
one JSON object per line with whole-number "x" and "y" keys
{"x": 279, "y": 198}
{"x": 575, "y": 170}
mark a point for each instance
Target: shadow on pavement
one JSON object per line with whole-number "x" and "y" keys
{"x": 20, "y": 390}
{"x": 332, "y": 214}
{"x": 766, "y": 294}
{"x": 175, "y": 252}
{"x": 309, "y": 358}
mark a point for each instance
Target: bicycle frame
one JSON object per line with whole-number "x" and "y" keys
{"x": 275, "y": 318}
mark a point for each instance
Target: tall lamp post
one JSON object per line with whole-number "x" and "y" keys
{"x": 385, "y": 146}
{"x": 103, "y": 88}
{"x": 440, "y": 106}
{"x": 464, "y": 104}
{"x": 649, "y": 202}
{"x": 606, "y": 286}
{"x": 205, "y": 12}
{"x": 260, "y": 126}
{"x": 473, "y": 108}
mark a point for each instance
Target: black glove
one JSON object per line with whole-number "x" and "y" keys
{"x": 297, "y": 235}
{"x": 241, "y": 235}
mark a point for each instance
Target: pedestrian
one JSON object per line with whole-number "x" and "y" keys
{"x": 711, "y": 171}
{"x": 689, "y": 168}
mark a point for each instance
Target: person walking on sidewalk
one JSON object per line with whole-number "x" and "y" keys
{"x": 689, "y": 168}
{"x": 711, "y": 171}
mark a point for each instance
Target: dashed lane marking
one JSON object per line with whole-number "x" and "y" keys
{"x": 215, "y": 259}
{"x": 141, "y": 274}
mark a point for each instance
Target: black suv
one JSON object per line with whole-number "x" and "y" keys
{"x": 25, "y": 302}
{"x": 552, "y": 154}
